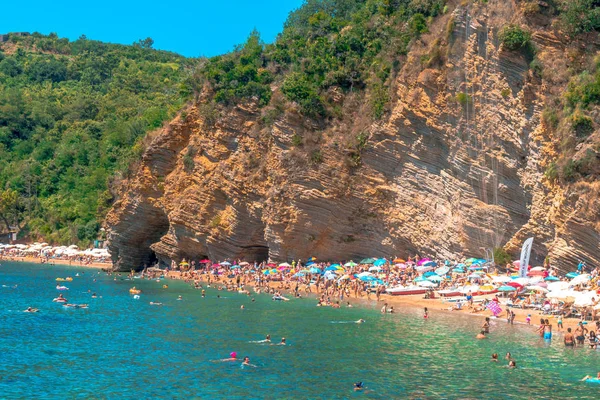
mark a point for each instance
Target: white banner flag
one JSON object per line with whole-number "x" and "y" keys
{"x": 524, "y": 260}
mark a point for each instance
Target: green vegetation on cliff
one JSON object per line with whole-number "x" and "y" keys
{"x": 348, "y": 44}
{"x": 72, "y": 117}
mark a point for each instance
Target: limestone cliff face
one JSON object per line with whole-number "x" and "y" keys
{"x": 454, "y": 168}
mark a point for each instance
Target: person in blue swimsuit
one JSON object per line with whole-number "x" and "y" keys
{"x": 547, "y": 330}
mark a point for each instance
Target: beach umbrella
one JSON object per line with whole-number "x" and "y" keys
{"x": 235, "y": 267}
{"x": 350, "y": 264}
{"x": 298, "y": 274}
{"x": 380, "y": 262}
{"x": 374, "y": 268}
{"x": 538, "y": 269}
{"x": 442, "y": 270}
{"x": 428, "y": 274}
{"x": 585, "y": 299}
{"x": 580, "y": 279}
{"x": 568, "y": 296}
{"x": 305, "y": 271}
{"x": 424, "y": 268}
{"x": 458, "y": 270}
{"x": 551, "y": 279}
{"x": 206, "y": 261}
{"x": 425, "y": 283}
{"x": 430, "y": 264}
{"x": 501, "y": 279}
{"x": 423, "y": 261}
{"x": 516, "y": 285}
{"x": 556, "y": 286}
{"x": 470, "y": 261}
{"x": 284, "y": 265}
{"x": 363, "y": 274}
{"x": 367, "y": 261}
{"x": 521, "y": 281}
{"x": 225, "y": 263}
{"x": 434, "y": 278}
{"x": 474, "y": 276}
{"x": 572, "y": 275}
{"x": 420, "y": 279}
{"x": 537, "y": 288}
{"x": 399, "y": 260}
{"x": 401, "y": 266}
{"x": 344, "y": 277}
{"x": 506, "y": 288}
{"x": 315, "y": 270}
{"x": 311, "y": 259}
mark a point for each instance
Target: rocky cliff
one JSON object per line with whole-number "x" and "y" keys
{"x": 455, "y": 167}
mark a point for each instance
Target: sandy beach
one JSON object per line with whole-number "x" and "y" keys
{"x": 38, "y": 260}
{"x": 435, "y": 305}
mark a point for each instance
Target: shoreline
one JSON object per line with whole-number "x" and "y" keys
{"x": 436, "y": 305}
{"x": 51, "y": 262}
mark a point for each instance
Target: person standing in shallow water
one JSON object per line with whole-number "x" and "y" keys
{"x": 486, "y": 325}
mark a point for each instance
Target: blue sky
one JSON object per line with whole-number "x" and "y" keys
{"x": 191, "y": 28}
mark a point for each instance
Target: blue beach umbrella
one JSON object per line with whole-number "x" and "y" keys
{"x": 420, "y": 279}
{"x": 458, "y": 270}
{"x": 551, "y": 279}
{"x": 298, "y": 274}
{"x": 429, "y": 273}
{"x": 442, "y": 270}
{"x": 430, "y": 264}
{"x": 367, "y": 261}
{"x": 308, "y": 264}
{"x": 315, "y": 270}
{"x": 235, "y": 267}
{"x": 380, "y": 262}
{"x": 506, "y": 289}
{"x": 572, "y": 275}
{"x": 434, "y": 278}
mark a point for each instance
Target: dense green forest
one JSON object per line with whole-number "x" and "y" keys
{"x": 72, "y": 117}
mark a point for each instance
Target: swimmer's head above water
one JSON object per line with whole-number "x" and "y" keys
{"x": 358, "y": 386}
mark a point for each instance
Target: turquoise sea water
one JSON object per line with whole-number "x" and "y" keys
{"x": 122, "y": 348}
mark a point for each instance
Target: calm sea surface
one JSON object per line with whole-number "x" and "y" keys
{"x": 123, "y": 348}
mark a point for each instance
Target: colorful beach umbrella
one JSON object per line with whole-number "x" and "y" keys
{"x": 506, "y": 288}
{"x": 315, "y": 270}
{"x": 399, "y": 260}
{"x": 380, "y": 262}
{"x": 423, "y": 261}
{"x": 442, "y": 270}
{"x": 430, "y": 264}
{"x": 350, "y": 264}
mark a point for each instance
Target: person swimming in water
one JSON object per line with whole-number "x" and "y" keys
{"x": 591, "y": 377}
{"x": 246, "y": 362}
{"x": 179, "y": 297}
{"x": 265, "y": 340}
{"x": 426, "y": 313}
{"x": 282, "y": 343}
{"x": 495, "y": 357}
{"x": 512, "y": 364}
{"x": 232, "y": 357}
{"x": 486, "y": 325}
{"x": 358, "y": 386}
{"x": 155, "y": 304}
{"x": 30, "y": 309}
{"x": 481, "y": 335}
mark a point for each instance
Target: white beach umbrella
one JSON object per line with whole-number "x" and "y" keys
{"x": 585, "y": 299}
{"x": 426, "y": 284}
{"x": 537, "y": 288}
{"x": 521, "y": 281}
{"x": 564, "y": 295}
{"x": 579, "y": 279}
{"x": 501, "y": 279}
{"x": 284, "y": 265}
{"x": 557, "y": 286}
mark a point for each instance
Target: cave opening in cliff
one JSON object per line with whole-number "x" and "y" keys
{"x": 256, "y": 253}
